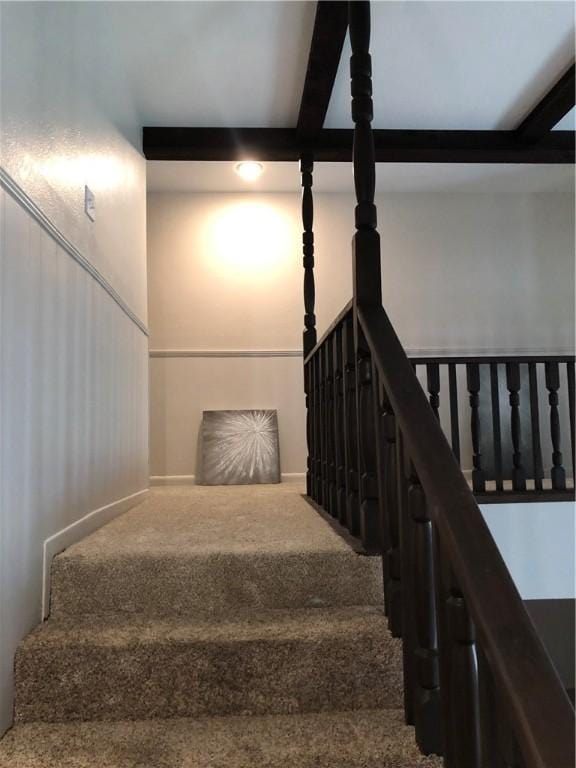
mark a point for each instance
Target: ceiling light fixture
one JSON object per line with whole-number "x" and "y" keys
{"x": 249, "y": 170}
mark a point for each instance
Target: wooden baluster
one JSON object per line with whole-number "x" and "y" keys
{"x": 496, "y": 433}
{"x": 312, "y": 414}
{"x": 553, "y": 385}
{"x": 351, "y": 427}
{"x": 319, "y": 429}
{"x": 433, "y": 383}
{"x": 442, "y": 580}
{"x": 370, "y": 534}
{"x": 309, "y": 337}
{"x": 308, "y": 385}
{"x": 326, "y": 421}
{"x": 535, "y": 427}
{"x": 454, "y": 420}
{"x": 488, "y": 706}
{"x": 406, "y": 530}
{"x": 497, "y": 746}
{"x": 570, "y": 375}
{"x": 473, "y": 381}
{"x": 339, "y": 439}
{"x": 380, "y": 457}
{"x": 427, "y": 690}
{"x": 392, "y": 556}
{"x": 330, "y": 426}
{"x": 513, "y": 384}
{"x": 464, "y": 699}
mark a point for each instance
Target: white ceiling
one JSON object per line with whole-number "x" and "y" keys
{"x": 460, "y": 65}
{"x": 464, "y": 64}
{"x": 211, "y": 64}
{"x": 337, "y": 177}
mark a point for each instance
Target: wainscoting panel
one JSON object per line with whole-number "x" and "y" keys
{"x": 73, "y": 412}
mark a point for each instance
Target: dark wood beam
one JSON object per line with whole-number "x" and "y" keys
{"x": 550, "y": 110}
{"x": 284, "y": 144}
{"x": 330, "y": 27}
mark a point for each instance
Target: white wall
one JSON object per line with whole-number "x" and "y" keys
{"x": 73, "y": 348}
{"x": 461, "y": 272}
{"x": 537, "y": 542}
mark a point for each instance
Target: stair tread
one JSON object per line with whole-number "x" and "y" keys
{"x": 132, "y": 668}
{"x": 186, "y": 550}
{"x": 241, "y": 626}
{"x": 359, "y": 739}
{"x": 202, "y": 520}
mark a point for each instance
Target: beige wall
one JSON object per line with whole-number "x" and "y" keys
{"x": 472, "y": 272}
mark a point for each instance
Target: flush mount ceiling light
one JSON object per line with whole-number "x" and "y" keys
{"x": 249, "y": 170}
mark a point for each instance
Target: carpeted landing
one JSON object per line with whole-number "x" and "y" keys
{"x": 212, "y": 628}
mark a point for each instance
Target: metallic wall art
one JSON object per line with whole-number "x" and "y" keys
{"x": 240, "y": 447}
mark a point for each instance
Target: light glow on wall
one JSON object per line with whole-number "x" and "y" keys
{"x": 251, "y": 241}
{"x": 100, "y": 171}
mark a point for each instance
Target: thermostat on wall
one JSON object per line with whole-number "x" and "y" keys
{"x": 89, "y": 204}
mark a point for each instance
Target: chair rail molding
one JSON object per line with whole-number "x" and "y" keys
{"x": 225, "y": 353}
{"x": 22, "y": 198}
{"x": 410, "y": 351}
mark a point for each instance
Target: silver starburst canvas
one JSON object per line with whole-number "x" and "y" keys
{"x": 240, "y": 447}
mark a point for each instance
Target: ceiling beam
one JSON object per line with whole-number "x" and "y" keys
{"x": 328, "y": 37}
{"x": 550, "y": 110}
{"x": 392, "y": 146}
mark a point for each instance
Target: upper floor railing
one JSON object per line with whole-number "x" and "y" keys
{"x": 480, "y": 688}
{"x": 507, "y": 417}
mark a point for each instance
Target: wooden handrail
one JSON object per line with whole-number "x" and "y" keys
{"x": 540, "y": 712}
{"x": 328, "y": 332}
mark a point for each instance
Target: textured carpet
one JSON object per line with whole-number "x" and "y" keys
{"x": 360, "y": 739}
{"x": 196, "y": 549}
{"x": 212, "y": 627}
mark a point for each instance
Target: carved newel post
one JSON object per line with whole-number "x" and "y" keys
{"x": 366, "y": 266}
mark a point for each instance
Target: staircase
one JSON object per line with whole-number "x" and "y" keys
{"x": 213, "y": 627}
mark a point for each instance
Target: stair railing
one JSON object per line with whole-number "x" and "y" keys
{"x": 479, "y": 686}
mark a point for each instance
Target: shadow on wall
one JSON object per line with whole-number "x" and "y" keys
{"x": 199, "y": 478}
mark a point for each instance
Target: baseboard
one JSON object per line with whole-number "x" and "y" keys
{"x": 172, "y": 480}
{"x": 79, "y": 530}
{"x": 163, "y": 480}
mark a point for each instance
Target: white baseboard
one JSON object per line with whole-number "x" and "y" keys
{"x": 79, "y": 530}
{"x": 172, "y": 480}
{"x": 163, "y": 480}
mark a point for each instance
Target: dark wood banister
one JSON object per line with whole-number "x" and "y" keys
{"x": 479, "y": 686}
{"x": 469, "y": 646}
{"x": 329, "y": 331}
{"x": 498, "y": 357}
{"x": 536, "y": 701}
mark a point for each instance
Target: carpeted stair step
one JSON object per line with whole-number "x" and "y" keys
{"x": 359, "y": 739}
{"x": 187, "y": 584}
{"x": 214, "y": 549}
{"x": 118, "y": 668}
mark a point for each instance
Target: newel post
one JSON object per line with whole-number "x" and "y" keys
{"x": 366, "y": 266}
{"x": 309, "y": 335}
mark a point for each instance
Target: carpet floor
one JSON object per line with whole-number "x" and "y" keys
{"x": 212, "y": 627}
